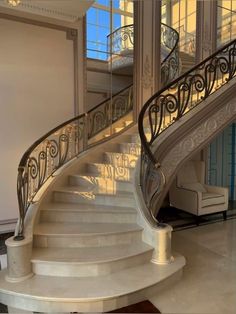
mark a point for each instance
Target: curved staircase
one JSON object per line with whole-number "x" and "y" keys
{"x": 89, "y": 251}
{"x": 87, "y": 238}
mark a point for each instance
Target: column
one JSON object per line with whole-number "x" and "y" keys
{"x": 147, "y": 43}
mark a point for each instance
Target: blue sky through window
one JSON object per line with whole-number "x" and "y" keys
{"x": 98, "y": 28}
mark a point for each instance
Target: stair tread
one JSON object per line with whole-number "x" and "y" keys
{"x": 68, "y": 289}
{"x": 90, "y": 177}
{"x": 60, "y": 206}
{"x": 90, "y": 189}
{"x": 104, "y": 164}
{"x": 89, "y": 254}
{"x": 70, "y": 229}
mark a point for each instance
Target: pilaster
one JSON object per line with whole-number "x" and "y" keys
{"x": 147, "y": 43}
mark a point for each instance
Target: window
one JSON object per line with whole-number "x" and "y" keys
{"x": 103, "y": 18}
{"x": 181, "y": 15}
{"x": 226, "y": 21}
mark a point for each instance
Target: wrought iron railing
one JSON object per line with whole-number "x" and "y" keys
{"x": 109, "y": 111}
{"x": 121, "y": 42}
{"x": 122, "y": 38}
{"x": 61, "y": 145}
{"x": 171, "y": 103}
{"x": 170, "y": 63}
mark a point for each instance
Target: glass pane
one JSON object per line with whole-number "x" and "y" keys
{"x": 116, "y": 21}
{"x": 116, "y": 4}
{"x": 91, "y": 32}
{"x": 91, "y": 15}
{"x": 104, "y": 18}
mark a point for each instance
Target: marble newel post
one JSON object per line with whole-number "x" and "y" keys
{"x": 206, "y": 29}
{"x": 147, "y": 30}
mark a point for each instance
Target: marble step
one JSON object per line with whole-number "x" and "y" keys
{"x": 128, "y": 122}
{"x": 89, "y": 262}
{"x": 90, "y": 294}
{"x": 130, "y": 148}
{"x": 109, "y": 171}
{"x": 78, "y": 194}
{"x": 73, "y": 235}
{"x": 120, "y": 159}
{"x": 67, "y": 212}
{"x": 100, "y": 183}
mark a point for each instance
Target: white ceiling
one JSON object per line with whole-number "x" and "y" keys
{"x": 65, "y": 10}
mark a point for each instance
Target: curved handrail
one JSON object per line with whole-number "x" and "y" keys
{"x": 176, "y": 99}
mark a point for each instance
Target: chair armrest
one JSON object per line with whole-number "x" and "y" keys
{"x": 186, "y": 199}
{"x": 217, "y": 189}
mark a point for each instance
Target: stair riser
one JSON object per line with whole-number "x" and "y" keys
{"x": 87, "y": 217}
{"x": 130, "y": 149}
{"x": 135, "y": 138}
{"x": 89, "y": 270}
{"x": 87, "y": 240}
{"x": 122, "y": 174}
{"x": 114, "y": 200}
{"x": 120, "y": 160}
{"x": 101, "y": 184}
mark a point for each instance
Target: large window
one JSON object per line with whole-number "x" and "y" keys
{"x": 103, "y": 18}
{"x": 181, "y": 15}
{"x": 226, "y": 21}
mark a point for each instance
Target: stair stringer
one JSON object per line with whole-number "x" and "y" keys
{"x": 192, "y": 132}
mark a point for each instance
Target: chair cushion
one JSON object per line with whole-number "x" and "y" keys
{"x": 209, "y": 199}
{"x": 194, "y": 186}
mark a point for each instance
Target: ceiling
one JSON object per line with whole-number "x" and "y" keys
{"x": 65, "y": 10}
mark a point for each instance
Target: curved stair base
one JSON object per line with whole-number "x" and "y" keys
{"x": 97, "y": 294}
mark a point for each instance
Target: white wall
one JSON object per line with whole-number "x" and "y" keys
{"x": 36, "y": 94}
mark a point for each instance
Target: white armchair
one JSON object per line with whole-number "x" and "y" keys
{"x": 189, "y": 193}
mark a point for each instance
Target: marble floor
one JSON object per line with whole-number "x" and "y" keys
{"x": 208, "y": 284}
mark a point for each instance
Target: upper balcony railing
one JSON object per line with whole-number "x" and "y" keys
{"x": 121, "y": 45}
{"x": 171, "y": 103}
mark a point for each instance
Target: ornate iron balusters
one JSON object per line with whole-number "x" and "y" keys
{"x": 43, "y": 158}
{"x": 170, "y": 55}
{"x": 121, "y": 43}
{"x": 109, "y": 111}
{"x": 175, "y": 100}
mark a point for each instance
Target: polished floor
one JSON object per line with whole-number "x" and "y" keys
{"x": 208, "y": 284}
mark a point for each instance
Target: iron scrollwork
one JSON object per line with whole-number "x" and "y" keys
{"x": 175, "y": 100}
{"x": 43, "y": 158}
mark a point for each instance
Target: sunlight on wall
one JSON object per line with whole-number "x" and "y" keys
{"x": 226, "y": 21}
{"x": 181, "y": 15}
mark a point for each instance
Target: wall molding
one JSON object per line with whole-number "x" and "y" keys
{"x": 71, "y": 34}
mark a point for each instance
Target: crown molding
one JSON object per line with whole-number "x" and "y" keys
{"x": 69, "y": 10}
